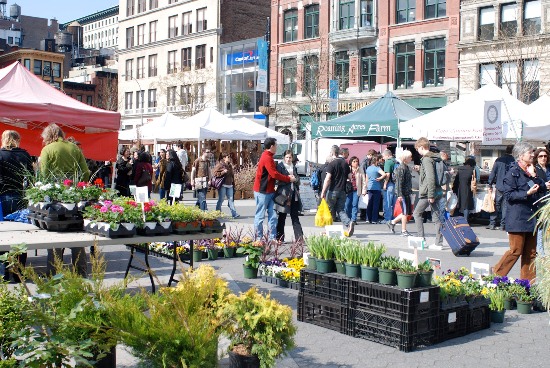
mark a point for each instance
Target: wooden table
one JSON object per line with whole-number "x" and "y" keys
{"x": 12, "y": 233}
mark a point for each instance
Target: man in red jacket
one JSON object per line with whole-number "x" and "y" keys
{"x": 264, "y": 190}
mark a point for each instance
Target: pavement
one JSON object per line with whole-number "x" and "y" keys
{"x": 521, "y": 341}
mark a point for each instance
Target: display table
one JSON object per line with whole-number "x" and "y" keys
{"x": 34, "y": 238}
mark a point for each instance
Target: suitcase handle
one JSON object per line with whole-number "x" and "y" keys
{"x": 461, "y": 225}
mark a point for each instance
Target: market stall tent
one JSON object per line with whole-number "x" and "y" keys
{"x": 239, "y": 129}
{"x": 378, "y": 119}
{"x": 536, "y": 125}
{"x": 148, "y": 132}
{"x": 28, "y": 104}
{"x": 462, "y": 120}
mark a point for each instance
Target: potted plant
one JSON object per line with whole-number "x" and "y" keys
{"x": 339, "y": 259}
{"x": 352, "y": 256}
{"x": 425, "y": 274}
{"x": 185, "y": 219}
{"x": 68, "y": 195}
{"x": 311, "y": 243}
{"x": 497, "y": 296}
{"x": 254, "y": 252}
{"x": 386, "y": 271}
{"x": 371, "y": 256}
{"x": 406, "y": 274}
{"x": 325, "y": 254}
{"x": 242, "y": 100}
{"x": 259, "y": 328}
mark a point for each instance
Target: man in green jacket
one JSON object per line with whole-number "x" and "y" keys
{"x": 429, "y": 193}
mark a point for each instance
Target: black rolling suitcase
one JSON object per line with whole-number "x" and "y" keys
{"x": 459, "y": 235}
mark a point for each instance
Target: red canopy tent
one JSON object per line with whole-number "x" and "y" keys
{"x": 28, "y": 104}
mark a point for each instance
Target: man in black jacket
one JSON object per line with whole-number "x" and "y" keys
{"x": 500, "y": 168}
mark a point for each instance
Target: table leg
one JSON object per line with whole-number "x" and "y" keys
{"x": 174, "y": 262}
{"x": 191, "y": 253}
{"x": 132, "y": 249}
{"x": 149, "y": 270}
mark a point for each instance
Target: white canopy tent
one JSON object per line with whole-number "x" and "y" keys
{"x": 537, "y": 121}
{"x": 149, "y": 131}
{"x": 462, "y": 120}
{"x": 239, "y": 129}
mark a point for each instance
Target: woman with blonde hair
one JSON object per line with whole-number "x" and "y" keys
{"x": 15, "y": 169}
{"x": 403, "y": 191}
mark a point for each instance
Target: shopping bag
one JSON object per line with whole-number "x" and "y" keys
{"x": 363, "y": 202}
{"x": 323, "y": 216}
{"x": 452, "y": 201}
{"x": 398, "y": 209}
{"x": 488, "y": 204}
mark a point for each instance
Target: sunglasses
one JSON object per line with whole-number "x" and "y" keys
{"x": 543, "y": 156}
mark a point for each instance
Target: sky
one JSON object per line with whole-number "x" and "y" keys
{"x": 63, "y": 10}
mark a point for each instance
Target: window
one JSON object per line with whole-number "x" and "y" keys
{"x": 201, "y": 20}
{"x": 141, "y": 6}
{"x": 341, "y": 70}
{"x": 531, "y": 84}
{"x": 79, "y": 98}
{"x": 171, "y": 96}
{"x": 10, "y": 40}
{"x": 186, "y": 58}
{"x": 347, "y": 14}
{"x": 27, "y": 64}
{"x": 487, "y": 74}
{"x": 153, "y": 4}
{"x": 199, "y": 92}
{"x": 368, "y": 69}
{"x": 129, "y": 37}
{"x": 129, "y": 69}
{"x": 211, "y": 55}
{"x": 508, "y": 78}
{"x": 200, "y": 56}
{"x": 185, "y": 97}
{"x": 366, "y": 13}
{"x": 289, "y": 77}
{"x": 140, "y": 67}
{"x": 486, "y": 23}
{"x": 435, "y": 8}
{"x": 531, "y": 15}
{"x": 130, "y": 8}
{"x": 404, "y": 65}
{"x": 47, "y": 69}
{"x": 152, "y": 65}
{"x": 172, "y": 26}
{"x": 312, "y": 21}
{"x": 311, "y": 74}
{"x": 89, "y": 100}
{"x": 172, "y": 67}
{"x": 37, "y": 67}
{"x": 291, "y": 25}
{"x": 140, "y": 99}
{"x": 187, "y": 26}
{"x": 140, "y": 34}
{"x": 434, "y": 62}
{"x": 128, "y": 100}
{"x": 152, "y": 98}
{"x": 406, "y": 11}
{"x": 153, "y": 31}
{"x": 508, "y": 20}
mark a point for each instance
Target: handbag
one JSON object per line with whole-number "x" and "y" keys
{"x": 216, "y": 182}
{"x": 281, "y": 200}
{"x": 473, "y": 183}
{"x": 488, "y": 204}
{"x": 200, "y": 183}
{"x": 363, "y": 202}
{"x": 349, "y": 187}
{"x": 323, "y": 216}
{"x": 145, "y": 178}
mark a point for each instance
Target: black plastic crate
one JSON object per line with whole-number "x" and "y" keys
{"x": 405, "y": 305}
{"x": 453, "y": 323}
{"x": 479, "y": 318}
{"x": 406, "y": 336}
{"x": 331, "y": 315}
{"x": 330, "y": 287}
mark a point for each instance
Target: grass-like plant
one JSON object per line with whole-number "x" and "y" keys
{"x": 406, "y": 266}
{"x": 389, "y": 263}
{"x": 352, "y": 251}
{"x": 372, "y": 254}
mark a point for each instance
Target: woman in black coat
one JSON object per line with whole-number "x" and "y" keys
{"x": 522, "y": 188}
{"x": 542, "y": 170}
{"x": 462, "y": 187}
{"x": 123, "y": 172}
{"x": 174, "y": 172}
{"x": 287, "y": 199}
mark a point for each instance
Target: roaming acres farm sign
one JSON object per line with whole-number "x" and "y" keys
{"x": 353, "y": 130}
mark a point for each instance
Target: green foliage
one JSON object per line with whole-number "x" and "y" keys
{"x": 254, "y": 251}
{"x": 372, "y": 254}
{"x": 389, "y": 263}
{"x": 425, "y": 266}
{"x": 242, "y": 100}
{"x": 260, "y": 324}
{"x": 406, "y": 266}
{"x": 352, "y": 251}
{"x": 13, "y": 318}
{"x": 497, "y": 297}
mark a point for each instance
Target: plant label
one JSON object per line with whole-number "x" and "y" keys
{"x": 416, "y": 242}
{"x": 480, "y": 268}
{"x": 133, "y": 190}
{"x": 175, "y": 190}
{"x": 407, "y": 256}
{"x": 142, "y": 194}
{"x": 452, "y": 317}
{"x": 306, "y": 258}
{"x": 424, "y": 297}
{"x": 335, "y": 231}
{"x": 436, "y": 263}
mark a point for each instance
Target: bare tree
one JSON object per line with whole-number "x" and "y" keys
{"x": 107, "y": 91}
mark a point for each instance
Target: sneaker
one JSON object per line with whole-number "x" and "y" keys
{"x": 391, "y": 226}
{"x": 383, "y": 222}
{"x": 405, "y": 233}
{"x": 236, "y": 216}
{"x": 351, "y": 228}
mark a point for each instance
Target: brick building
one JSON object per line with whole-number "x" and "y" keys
{"x": 96, "y": 87}
{"x": 33, "y": 29}
{"x": 46, "y": 65}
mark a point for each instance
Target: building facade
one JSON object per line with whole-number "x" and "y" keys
{"x": 48, "y": 66}
{"x": 98, "y": 30}
{"x": 33, "y": 29}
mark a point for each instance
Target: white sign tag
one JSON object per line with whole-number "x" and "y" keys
{"x": 452, "y": 317}
{"x": 142, "y": 194}
{"x": 133, "y": 190}
{"x": 424, "y": 296}
{"x": 479, "y": 268}
{"x": 175, "y": 190}
{"x": 335, "y": 231}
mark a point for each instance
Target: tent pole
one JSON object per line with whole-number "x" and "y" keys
{"x": 398, "y": 136}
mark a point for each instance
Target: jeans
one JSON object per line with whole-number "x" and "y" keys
{"x": 201, "y": 199}
{"x": 222, "y": 193}
{"x": 466, "y": 214}
{"x": 500, "y": 210}
{"x": 9, "y": 203}
{"x": 336, "y": 201}
{"x": 79, "y": 262}
{"x": 352, "y": 205}
{"x": 389, "y": 201}
{"x": 264, "y": 202}
{"x": 162, "y": 193}
{"x": 373, "y": 206}
{"x": 296, "y": 225}
{"x": 438, "y": 209}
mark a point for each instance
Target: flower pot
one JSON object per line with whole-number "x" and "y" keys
{"x": 197, "y": 256}
{"x": 352, "y": 270}
{"x": 324, "y": 265}
{"x": 86, "y": 222}
{"x": 406, "y": 280}
{"x": 69, "y": 206}
{"x": 113, "y": 227}
{"x": 524, "y": 307}
{"x": 243, "y": 361}
{"x": 387, "y": 277}
{"x": 369, "y": 273}
{"x": 283, "y": 283}
{"x": 150, "y": 225}
{"x": 228, "y": 252}
{"x": 497, "y": 316}
{"x": 207, "y": 223}
{"x": 165, "y": 224}
{"x": 425, "y": 278}
{"x": 212, "y": 254}
{"x": 250, "y": 272}
{"x": 128, "y": 225}
{"x": 510, "y": 304}
{"x": 340, "y": 267}
{"x": 312, "y": 263}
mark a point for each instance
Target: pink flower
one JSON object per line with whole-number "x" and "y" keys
{"x": 107, "y": 203}
{"x": 117, "y": 209}
{"x": 81, "y": 184}
{"x": 67, "y": 182}
{"x": 104, "y": 209}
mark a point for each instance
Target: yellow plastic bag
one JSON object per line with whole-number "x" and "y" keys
{"x": 323, "y": 216}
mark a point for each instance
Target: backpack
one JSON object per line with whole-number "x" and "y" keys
{"x": 442, "y": 176}
{"x": 145, "y": 178}
{"x": 316, "y": 179}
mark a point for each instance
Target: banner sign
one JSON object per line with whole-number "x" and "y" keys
{"x": 351, "y": 130}
{"x": 333, "y": 95}
{"x": 492, "y": 126}
{"x": 242, "y": 57}
{"x": 261, "y": 81}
